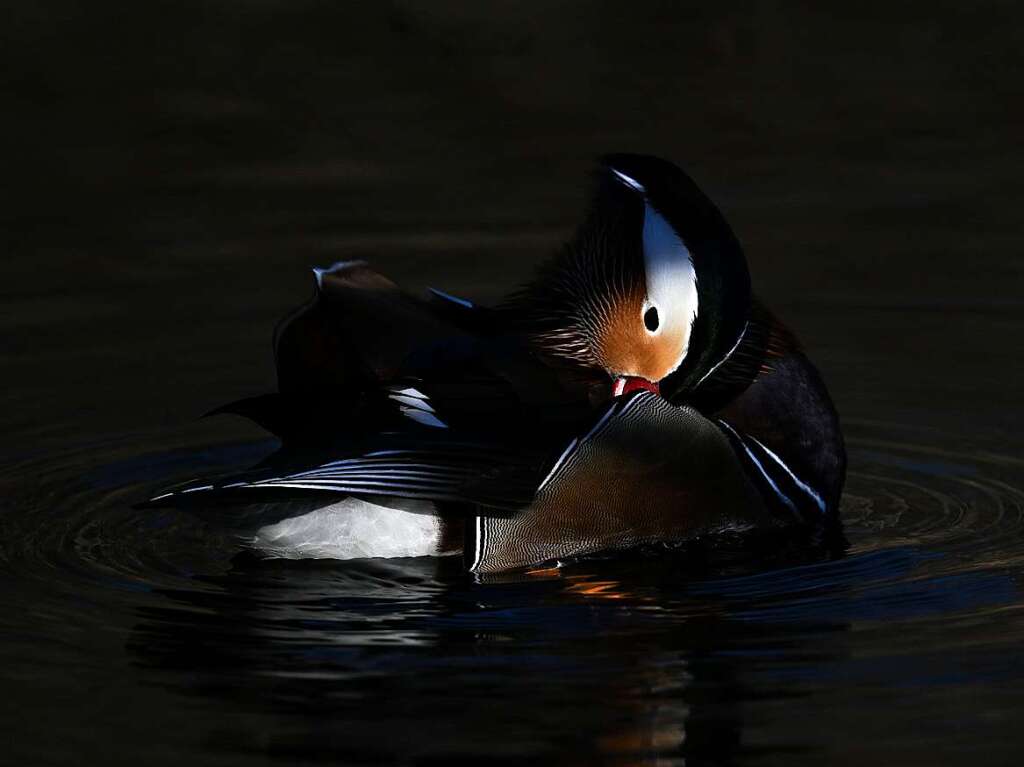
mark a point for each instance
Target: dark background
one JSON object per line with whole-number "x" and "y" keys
{"x": 174, "y": 169}
{"x": 171, "y": 172}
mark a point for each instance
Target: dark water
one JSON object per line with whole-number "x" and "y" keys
{"x": 173, "y": 169}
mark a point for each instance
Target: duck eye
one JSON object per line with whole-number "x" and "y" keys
{"x": 651, "y": 319}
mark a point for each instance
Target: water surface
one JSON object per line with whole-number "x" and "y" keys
{"x": 179, "y": 169}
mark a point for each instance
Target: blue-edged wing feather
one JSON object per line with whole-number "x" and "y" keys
{"x": 399, "y": 465}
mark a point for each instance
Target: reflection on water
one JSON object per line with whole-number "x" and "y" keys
{"x": 175, "y": 169}
{"x": 461, "y": 668}
{"x": 702, "y": 656}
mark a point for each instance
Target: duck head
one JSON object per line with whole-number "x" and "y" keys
{"x": 653, "y": 289}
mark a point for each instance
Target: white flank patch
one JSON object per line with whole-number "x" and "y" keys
{"x": 671, "y": 279}
{"x": 353, "y": 529}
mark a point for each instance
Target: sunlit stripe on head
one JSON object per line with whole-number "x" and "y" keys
{"x": 630, "y": 182}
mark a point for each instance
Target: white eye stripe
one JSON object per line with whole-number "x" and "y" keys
{"x": 671, "y": 278}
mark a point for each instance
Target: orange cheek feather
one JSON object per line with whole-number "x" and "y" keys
{"x": 626, "y": 348}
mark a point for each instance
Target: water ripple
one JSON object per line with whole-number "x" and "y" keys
{"x": 925, "y": 595}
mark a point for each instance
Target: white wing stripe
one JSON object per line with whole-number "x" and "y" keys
{"x": 426, "y": 494}
{"x": 558, "y": 465}
{"x": 569, "y": 455}
{"x": 424, "y": 418}
{"x": 799, "y": 483}
{"x": 418, "y": 404}
{"x": 782, "y": 496}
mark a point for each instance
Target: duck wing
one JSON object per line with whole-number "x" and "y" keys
{"x": 776, "y": 409}
{"x": 408, "y": 444}
{"x": 423, "y": 471}
{"x": 444, "y": 446}
{"x": 355, "y": 332}
{"x": 647, "y": 473}
{"x": 642, "y": 472}
{"x": 344, "y": 356}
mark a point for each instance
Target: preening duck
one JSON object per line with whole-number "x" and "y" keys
{"x": 632, "y": 393}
